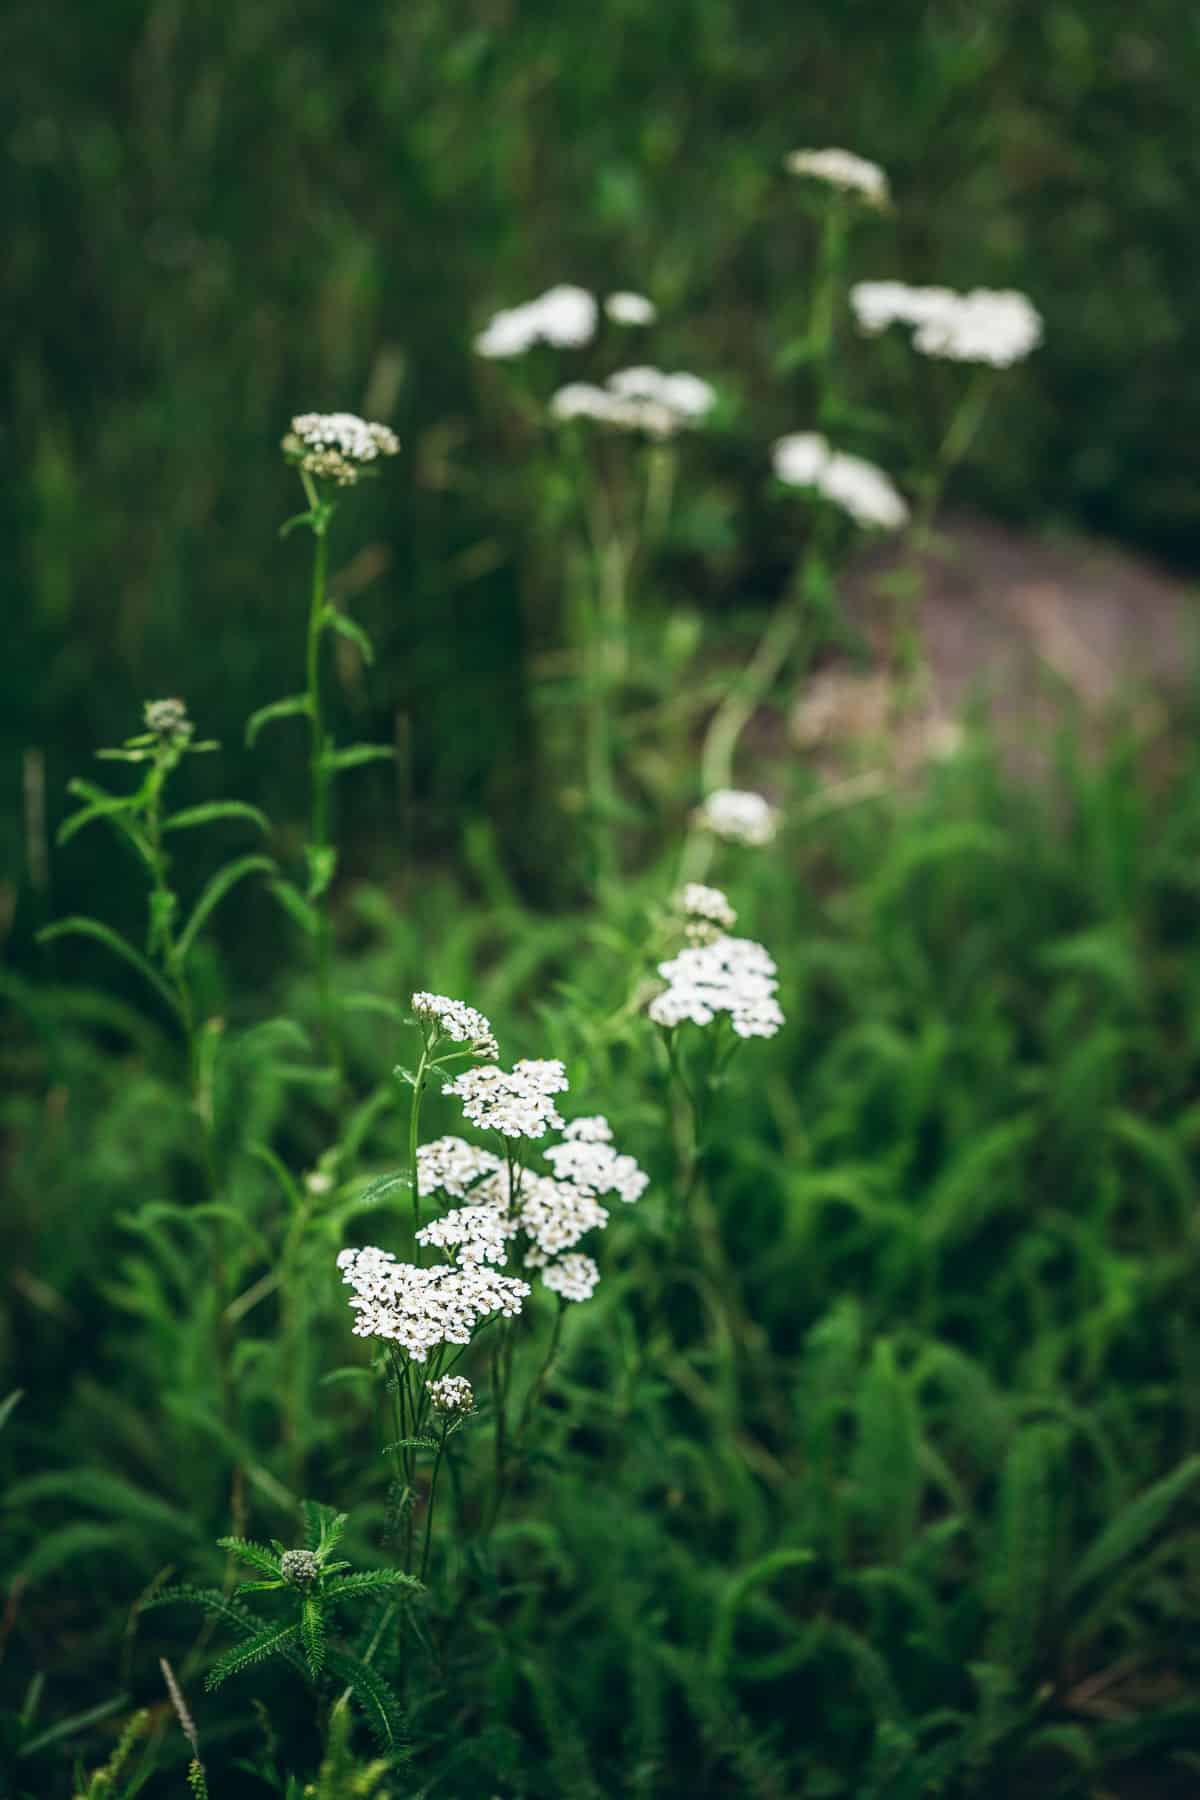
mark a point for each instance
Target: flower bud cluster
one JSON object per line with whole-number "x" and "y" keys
{"x": 452, "y": 1395}
{"x": 168, "y": 720}
{"x": 337, "y": 447}
{"x": 455, "y": 1020}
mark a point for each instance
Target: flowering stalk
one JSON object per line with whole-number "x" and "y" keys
{"x": 320, "y": 849}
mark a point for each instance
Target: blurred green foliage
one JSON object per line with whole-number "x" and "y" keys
{"x": 218, "y": 215}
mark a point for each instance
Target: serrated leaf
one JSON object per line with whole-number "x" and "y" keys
{"x": 385, "y": 1184}
{"x": 215, "y": 891}
{"x": 373, "y": 1694}
{"x": 256, "y": 1555}
{"x": 213, "y": 811}
{"x": 346, "y": 627}
{"x": 312, "y": 1633}
{"x": 254, "y": 1650}
{"x": 352, "y": 756}
{"x": 295, "y": 705}
{"x": 369, "y": 1581}
{"x": 79, "y": 926}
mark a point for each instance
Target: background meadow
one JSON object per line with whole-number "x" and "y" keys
{"x": 870, "y": 1468}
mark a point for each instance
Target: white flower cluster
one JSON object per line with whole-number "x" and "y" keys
{"x": 458, "y": 1021}
{"x": 842, "y": 169}
{"x": 638, "y": 399}
{"x": 337, "y": 446}
{"x": 551, "y": 1213}
{"x": 805, "y": 459}
{"x": 738, "y": 816}
{"x": 987, "y": 325}
{"x": 451, "y": 1394}
{"x": 705, "y": 911}
{"x": 451, "y": 1165}
{"x": 564, "y": 316}
{"x": 630, "y": 309}
{"x": 730, "y": 975}
{"x": 422, "y": 1309}
{"x": 477, "y": 1233}
{"x": 574, "y": 1277}
{"x": 516, "y": 1103}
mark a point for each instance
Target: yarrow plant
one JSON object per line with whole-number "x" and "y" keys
{"x": 639, "y": 399}
{"x": 843, "y": 170}
{"x": 805, "y": 459}
{"x": 739, "y": 816}
{"x": 563, "y": 317}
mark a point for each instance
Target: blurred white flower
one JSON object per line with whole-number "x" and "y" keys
{"x": 630, "y": 309}
{"x": 574, "y": 1277}
{"x": 731, "y": 975}
{"x": 455, "y": 1020}
{"x": 738, "y": 816}
{"x": 564, "y": 316}
{"x": 337, "y": 446}
{"x": 842, "y": 169}
{"x": 987, "y": 325}
{"x": 516, "y": 1103}
{"x": 706, "y": 911}
{"x": 805, "y": 459}
{"x": 639, "y": 399}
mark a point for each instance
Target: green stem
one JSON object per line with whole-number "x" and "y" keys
{"x": 542, "y": 1376}
{"x": 414, "y": 1130}
{"x": 433, "y": 1484}
{"x": 319, "y": 774}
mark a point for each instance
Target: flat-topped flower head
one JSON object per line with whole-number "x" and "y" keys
{"x": 731, "y": 975}
{"x": 451, "y": 1395}
{"x": 422, "y": 1309}
{"x": 630, "y": 309}
{"x": 477, "y": 1234}
{"x": 593, "y": 1165}
{"x": 168, "y": 720}
{"x": 738, "y": 816}
{"x": 449, "y": 1165}
{"x": 457, "y": 1021}
{"x": 705, "y": 911}
{"x": 564, "y": 316}
{"x": 806, "y": 459}
{"x": 639, "y": 399}
{"x": 574, "y": 1277}
{"x": 517, "y": 1102}
{"x": 843, "y": 170}
{"x": 998, "y": 327}
{"x": 554, "y": 1215}
{"x": 338, "y": 447}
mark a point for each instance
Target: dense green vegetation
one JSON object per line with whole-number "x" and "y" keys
{"x": 871, "y": 1467}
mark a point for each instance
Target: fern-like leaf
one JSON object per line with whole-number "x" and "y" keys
{"x": 257, "y": 1555}
{"x": 254, "y": 1650}
{"x": 369, "y": 1581}
{"x": 378, "y": 1702}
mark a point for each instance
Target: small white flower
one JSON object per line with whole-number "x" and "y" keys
{"x": 516, "y": 1103}
{"x": 479, "y": 1234}
{"x": 455, "y": 1020}
{"x": 452, "y": 1395}
{"x": 731, "y": 975}
{"x": 805, "y": 459}
{"x": 554, "y": 1215}
{"x": 587, "y": 1158}
{"x": 168, "y": 720}
{"x": 630, "y": 309}
{"x": 510, "y": 333}
{"x": 574, "y": 1277}
{"x": 450, "y": 1165}
{"x": 738, "y": 816}
{"x": 421, "y": 1309}
{"x": 595, "y": 1129}
{"x": 337, "y": 446}
{"x": 842, "y": 169}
